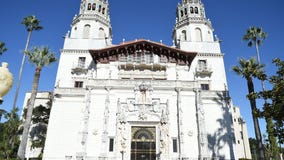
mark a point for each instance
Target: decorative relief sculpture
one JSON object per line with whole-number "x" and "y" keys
{"x": 164, "y": 135}
{"x": 83, "y": 6}
{"x": 120, "y": 113}
{"x": 143, "y": 93}
{"x": 143, "y": 105}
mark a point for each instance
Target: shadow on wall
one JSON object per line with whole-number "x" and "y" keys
{"x": 224, "y": 135}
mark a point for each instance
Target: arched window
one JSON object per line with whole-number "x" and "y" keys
{"x": 196, "y": 10}
{"x": 100, "y": 8}
{"x": 191, "y": 9}
{"x": 198, "y": 34}
{"x": 86, "y": 31}
{"x": 89, "y": 6}
{"x": 181, "y": 13}
{"x": 185, "y": 11}
{"x": 183, "y": 35}
{"x": 101, "y": 33}
{"x": 94, "y": 6}
{"x": 103, "y": 11}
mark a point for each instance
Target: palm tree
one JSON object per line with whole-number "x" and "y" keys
{"x": 249, "y": 69}
{"x": 2, "y": 48}
{"x": 255, "y": 36}
{"x": 31, "y": 23}
{"x": 39, "y": 57}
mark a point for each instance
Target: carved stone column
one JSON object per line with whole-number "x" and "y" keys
{"x": 85, "y": 125}
{"x": 202, "y": 139}
{"x": 104, "y": 146}
{"x": 164, "y": 134}
{"x": 121, "y": 129}
{"x": 179, "y": 122}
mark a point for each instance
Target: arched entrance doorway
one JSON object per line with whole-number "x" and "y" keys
{"x": 143, "y": 143}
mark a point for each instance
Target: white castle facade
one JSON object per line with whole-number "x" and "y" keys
{"x": 143, "y": 100}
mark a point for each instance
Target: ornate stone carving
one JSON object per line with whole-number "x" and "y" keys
{"x": 164, "y": 136}
{"x": 83, "y": 6}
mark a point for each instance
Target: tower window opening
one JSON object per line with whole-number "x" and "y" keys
{"x": 100, "y": 8}
{"x": 94, "y": 6}
{"x": 196, "y": 10}
{"x": 89, "y": 6}
{"x": 183, "y": 35}
{"x": 181, "y": 13}
{"x": 103, "y": 11}
{"x": 185, "y": 11}
{"x": 191, "y": 9}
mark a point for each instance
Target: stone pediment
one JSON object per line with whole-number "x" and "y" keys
{"x": 171, "y": 54}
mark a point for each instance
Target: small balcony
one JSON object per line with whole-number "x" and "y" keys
{"x": 203, "y": 71}
{"x": 79, "y": 68}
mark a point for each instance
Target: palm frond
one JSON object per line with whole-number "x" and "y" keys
{"x": 2, "y": 48}
{"x": 31, "y": 23}
{"x": 254, "y": 35}
{"x": 41, "y": 56}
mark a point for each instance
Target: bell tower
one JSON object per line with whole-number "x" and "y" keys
{"x": 91, "y": 29}
{"x": 193, "y": 31}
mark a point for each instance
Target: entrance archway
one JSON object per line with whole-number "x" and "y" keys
{"x": 143, "y": 143}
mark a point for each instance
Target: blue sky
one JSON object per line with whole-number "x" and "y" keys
{"x": 148, "y": 19}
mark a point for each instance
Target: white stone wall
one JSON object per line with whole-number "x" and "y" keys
{"x": 69, "y": 108}
{"x": 42, "y": 98}
{"x": 242, "y": 142}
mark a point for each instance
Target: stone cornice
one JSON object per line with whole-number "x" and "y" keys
{"x": 74, "y": 51}
{"x": 156, "y": 84}
{"x": 92, "y": 17}
{"x": 191, "y": 20}
{"x": 210, "y": 55}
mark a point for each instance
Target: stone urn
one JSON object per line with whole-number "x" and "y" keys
{"x": 6, "y": 80}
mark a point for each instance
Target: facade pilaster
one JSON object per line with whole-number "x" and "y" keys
{"x": 202, "y": 145}
{"x": 179, "y": 123}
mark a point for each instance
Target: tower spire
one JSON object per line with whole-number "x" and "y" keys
{"x": 91, "y": 26}
{"x": 192, "y": 28}
{"x": 95, "y": 7}
{"x": 191, "y": 10}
